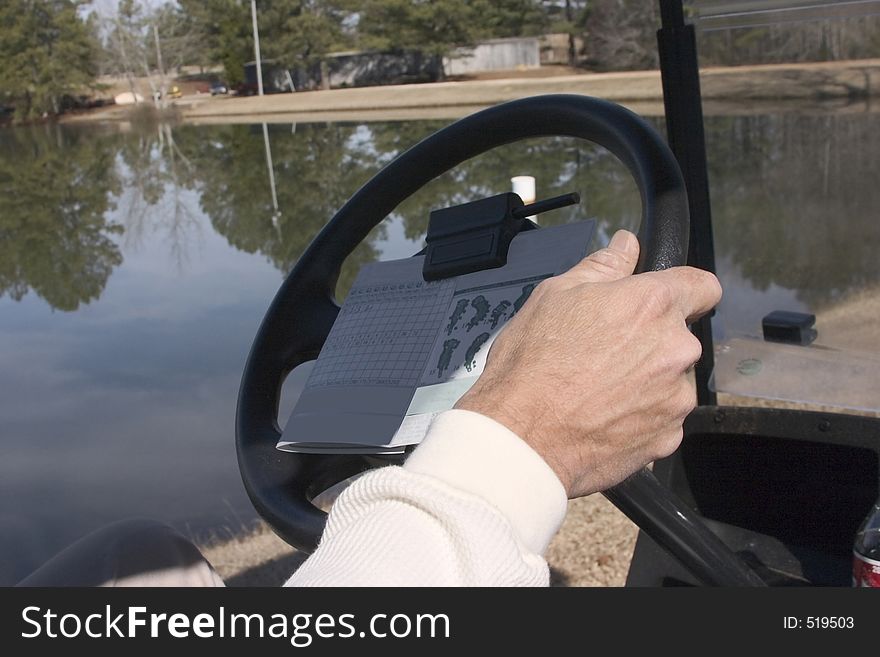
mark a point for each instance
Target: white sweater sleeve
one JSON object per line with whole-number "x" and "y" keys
{"x": 473, "y": 505}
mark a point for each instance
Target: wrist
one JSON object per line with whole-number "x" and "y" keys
{"x": 525, "y": 423}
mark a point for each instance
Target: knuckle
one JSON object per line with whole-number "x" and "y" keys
{"x": 669, "y": 442}
{"x": 712, "y": 283}
{"x": 700, "y": 278}
{"x": 685, "y": 402}
{"x": 607, "y": 260}
{"x": 691, "y": 348}
{"x": 658, "y": 296}
{"x": 676, "y": 353}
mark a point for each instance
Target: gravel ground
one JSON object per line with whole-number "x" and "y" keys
{"x": 594, "y": 545}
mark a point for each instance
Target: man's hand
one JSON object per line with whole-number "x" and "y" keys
{"x": 592, "y": 371}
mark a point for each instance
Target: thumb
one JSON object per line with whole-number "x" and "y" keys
{"x": 615, "y": 261}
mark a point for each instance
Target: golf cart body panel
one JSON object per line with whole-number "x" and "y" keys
{"x": 784, "y": 488}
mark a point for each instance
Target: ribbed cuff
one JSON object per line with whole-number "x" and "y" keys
{"x": 476, "y": 454}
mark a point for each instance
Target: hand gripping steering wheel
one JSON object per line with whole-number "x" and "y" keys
{"x": 281, "y": 485}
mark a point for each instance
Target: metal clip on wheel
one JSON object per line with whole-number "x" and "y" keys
{"x": 281, "y": 485}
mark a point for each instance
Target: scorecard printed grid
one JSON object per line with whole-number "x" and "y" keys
{"x": 383, "y": 335}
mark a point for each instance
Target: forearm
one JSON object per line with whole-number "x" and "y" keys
{"x": 451, "y": 516}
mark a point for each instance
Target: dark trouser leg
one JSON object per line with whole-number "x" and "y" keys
{"x": 135, "y": 552}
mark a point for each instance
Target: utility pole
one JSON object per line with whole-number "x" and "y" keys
{"x": 276, "y": 215}
{"x": 257, "y": 48}
{"x": 161, "y": 68}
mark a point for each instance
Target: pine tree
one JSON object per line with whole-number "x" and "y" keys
{"x": 434, "y": 27}
{"x": 48, "y": 50}
{"x": 223, "y": 28}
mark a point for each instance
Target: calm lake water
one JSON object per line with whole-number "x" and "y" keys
{"x": 136, "y": 266}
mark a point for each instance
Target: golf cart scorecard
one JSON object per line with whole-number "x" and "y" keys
{"x": 404, "y": 349}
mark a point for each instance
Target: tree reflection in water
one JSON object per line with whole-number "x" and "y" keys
{"x": 56, "y": 188}
{"x": 795, "y": 201}
{"x": 793, "y": 195}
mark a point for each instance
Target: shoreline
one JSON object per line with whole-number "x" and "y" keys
{"x": 818, "y": 86}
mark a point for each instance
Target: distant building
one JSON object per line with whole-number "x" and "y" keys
{"x": 359, "y": 69}
{"x": 363, "y": 69}
{"x": 495, "y": 55}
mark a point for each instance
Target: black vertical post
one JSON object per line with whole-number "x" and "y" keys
{"x": 677, "y": 46}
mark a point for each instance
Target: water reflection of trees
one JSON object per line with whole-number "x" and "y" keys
{"x": 559, "y": 165}
{"x": 316, "y": 166}
{"x": 793, "y": 195}
{"x": 159, "y": 180}
{"x": 795, "y": 200}
{"x": 56, "y": 188}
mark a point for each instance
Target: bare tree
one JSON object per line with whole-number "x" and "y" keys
{"x": 148, "y": 45}
{"x": 815, "y": 40}
{"x": 160, "y": 179}
{"x": 620, "y": 34}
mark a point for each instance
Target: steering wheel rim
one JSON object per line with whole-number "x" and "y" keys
{"x": 279, "y": 484}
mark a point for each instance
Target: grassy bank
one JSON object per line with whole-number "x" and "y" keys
{"x": 742, "y": 84}
{"x": 727, "y": 90}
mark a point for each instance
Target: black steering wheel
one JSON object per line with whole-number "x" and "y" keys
{"x": 281, "y": 485}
